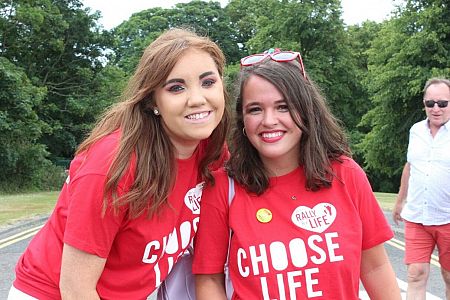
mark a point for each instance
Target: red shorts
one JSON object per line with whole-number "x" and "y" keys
{"x": 420, "y": 241}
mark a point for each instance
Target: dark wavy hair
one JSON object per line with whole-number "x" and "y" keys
{"x": 322, "y": 141}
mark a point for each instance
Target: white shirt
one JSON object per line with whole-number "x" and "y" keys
{"x": 428, "y": 199}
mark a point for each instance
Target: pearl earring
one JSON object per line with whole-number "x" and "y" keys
{"x": 156, "y": 111}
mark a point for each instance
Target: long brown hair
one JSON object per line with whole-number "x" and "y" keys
{"x": 322, "y": 140}
{"x": 142, "y": 134}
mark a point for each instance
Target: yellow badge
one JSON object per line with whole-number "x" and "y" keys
{"x": 264, "y": 215}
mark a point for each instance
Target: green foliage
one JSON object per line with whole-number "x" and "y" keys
{"x": 360, "y": 38}
{"x": 60, "y": 48}
{"x": 59, "y": 70}
{"x": 20, "y": 128}
{"x": 230, "y": 79}
{"x": 408, "y": 50}
{"x": 134, "y": 35}
{"x": 316, "y": 30}
{"x": 206, "y": 18}
{"x": 248, "y": 17}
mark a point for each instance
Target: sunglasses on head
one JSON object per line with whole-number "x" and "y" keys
{"x": 440, "y": 103}
{"x": 276, "y": 55}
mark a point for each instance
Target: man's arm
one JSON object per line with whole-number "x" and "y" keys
{"x": 402, "y": 193}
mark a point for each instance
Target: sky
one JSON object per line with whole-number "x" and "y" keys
{"x": 115, "y": 12}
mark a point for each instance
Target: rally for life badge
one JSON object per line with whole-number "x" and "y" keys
{"x": 264, "y": 215}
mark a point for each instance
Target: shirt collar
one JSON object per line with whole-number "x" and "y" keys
{"x": 446, "y": 125}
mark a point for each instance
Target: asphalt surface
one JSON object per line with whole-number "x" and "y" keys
{"x": 14, "y": 239}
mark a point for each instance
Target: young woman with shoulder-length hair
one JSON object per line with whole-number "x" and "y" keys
{"x": 303, "y": 219}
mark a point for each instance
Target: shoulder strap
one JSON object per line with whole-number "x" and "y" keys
{"x": 231, "y": 193}
{"x": 230, "y": 190}
{"x": 228, "y": 285}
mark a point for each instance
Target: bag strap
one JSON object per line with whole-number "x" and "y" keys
{"x": 231, "y": 193}
{"x": 230, "y": 190}
{"x": 228, "y": 285}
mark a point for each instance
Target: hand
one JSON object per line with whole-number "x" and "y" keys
{"x": 397, "y": 211}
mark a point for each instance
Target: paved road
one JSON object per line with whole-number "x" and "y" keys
{"x": 395, "y": 249}
{"x": 15, "y": 238}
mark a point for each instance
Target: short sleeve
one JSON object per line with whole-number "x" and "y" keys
{"x": 88, "y": 228}
{"x": 211, "y": 242}
{"x": 375, "y": 227}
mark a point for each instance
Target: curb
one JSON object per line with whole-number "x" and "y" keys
{"x": 22, "y": 225}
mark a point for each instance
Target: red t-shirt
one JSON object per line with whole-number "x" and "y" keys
{"x": 139, "y": 252}
{"x": 306, "y": 245}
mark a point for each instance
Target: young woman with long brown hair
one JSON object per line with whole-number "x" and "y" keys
{"x": 130, "y": 205}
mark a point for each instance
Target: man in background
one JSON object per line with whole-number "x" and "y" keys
{"x": 423, "y": 201}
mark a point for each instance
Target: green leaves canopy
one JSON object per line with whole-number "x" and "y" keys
{"x": 60, "y": 47}
{"x": 20, "y": 128}
{"x": 408, "y": 51}
{"x": 60, "y": 69}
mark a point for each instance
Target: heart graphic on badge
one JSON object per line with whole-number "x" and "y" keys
{"x": 316, "y": 219}
{"x": 193, "y": 197}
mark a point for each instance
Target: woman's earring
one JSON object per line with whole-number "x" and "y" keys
{"x": 156, "y": 111}
{"x": 243, "y": 131}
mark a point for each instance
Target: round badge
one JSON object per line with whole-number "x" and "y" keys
{"x": 264, "y": 215}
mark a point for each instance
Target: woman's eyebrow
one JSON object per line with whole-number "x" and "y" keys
{"x": 181, "y": 80}
{"x": 203, "y": 75}
{"x": 178, "y": 80}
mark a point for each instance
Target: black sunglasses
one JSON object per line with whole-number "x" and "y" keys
{"x": 440, "y": 103}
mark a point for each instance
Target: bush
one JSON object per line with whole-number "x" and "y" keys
{"x": 52, "y": 178}
{"x": 48, "y": 177}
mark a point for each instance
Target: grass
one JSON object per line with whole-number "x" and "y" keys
{"x": 386, "y": 200}
{"x": 21, "y": 206}
{"x": 16, "y": 207}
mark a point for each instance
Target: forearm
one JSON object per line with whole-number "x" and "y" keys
{"x": 381, "y": 283}
{"x": 403, "y": 191}
{"x": 377, "y": 275}
{"x": 69, "y": 292}
{"x": 210, "y": 287}
{"x": 401, "y": 196}
{"x": 80, "y": 272}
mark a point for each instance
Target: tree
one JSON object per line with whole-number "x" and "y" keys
{"x": 21, "y": 155}
{"x": 59, "y": 46}
{"x": 409, "y": 49}
{"x": 210, "y": 19}
{"x": 360, "y": 40}
{"x": 316, "y": 30}
{"x": 135, "y": 34}
{"x": 206, "y": 18}
{"x": 244, "y": 16}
